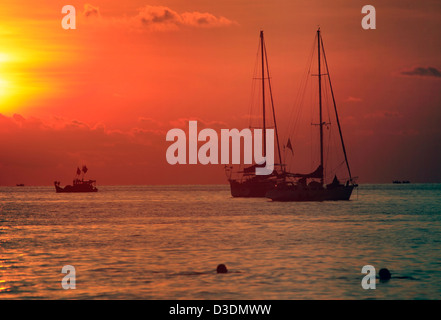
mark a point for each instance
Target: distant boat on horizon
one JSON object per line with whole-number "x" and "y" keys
{"x": 20, "y": 184}
{"x": 399, "y": 181}
{"x": 78, "y": 185}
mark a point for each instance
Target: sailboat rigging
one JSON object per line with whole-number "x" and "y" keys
{"x": 247, "y": 184}
{"x": 296, "y": 187}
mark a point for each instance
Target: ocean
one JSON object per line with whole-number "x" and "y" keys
{"x": 164, "y": 242}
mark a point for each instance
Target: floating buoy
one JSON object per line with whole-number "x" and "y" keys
{"x": 221, "y": 269}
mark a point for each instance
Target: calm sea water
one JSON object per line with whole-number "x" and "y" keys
{"x": 150, "y": 242}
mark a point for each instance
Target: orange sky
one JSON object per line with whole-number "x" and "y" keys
{"x": 106, "y": 93}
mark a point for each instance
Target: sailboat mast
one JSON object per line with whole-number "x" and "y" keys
{"x": 263, "y": 93}
{"x": 320, "y": 104}
{"x": 274, "y": 112}
{"x": 336, "y": 113}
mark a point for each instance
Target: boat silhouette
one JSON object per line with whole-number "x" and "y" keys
{"x": 244, "y": 182}
{"x": 78, "y": 185}
{"x": 312, "y": 187}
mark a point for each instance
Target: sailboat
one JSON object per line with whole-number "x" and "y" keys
{"x": 311, "y": 186}
{"x": 245, "y": 183}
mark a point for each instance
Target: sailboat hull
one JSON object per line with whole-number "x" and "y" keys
{"x": 250, "y": 188}
{"x": 296, "y": 193}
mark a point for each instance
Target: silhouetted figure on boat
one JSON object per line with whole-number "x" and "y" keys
{"x": 221, "y": 269}
{"x": 334, "y": 184}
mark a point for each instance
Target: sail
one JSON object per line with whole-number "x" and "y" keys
{"x": 78, "y": 171}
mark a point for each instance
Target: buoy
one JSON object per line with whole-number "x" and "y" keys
{"x": 384, "y": 274}
{"x": 221, "y": 269}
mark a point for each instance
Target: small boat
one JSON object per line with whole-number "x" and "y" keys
{"x": 312, "y": 186}
{"x": 399, "y": 181}
{"x": 78, "y": 185}
{"x": 20, "y": 184}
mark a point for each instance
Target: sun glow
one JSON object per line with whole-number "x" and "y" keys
{"x": 7, "y": 92}
{"x": 4, "y": 57}
{"x": 3, "y": 87}
{"x": 19, "y": 82}
{"x": 5, "y": 84}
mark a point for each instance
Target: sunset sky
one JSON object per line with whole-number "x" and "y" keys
{"x": 106, "y": 93}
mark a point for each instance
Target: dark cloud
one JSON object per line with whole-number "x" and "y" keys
{"x": 161, "y": 15}
{"x": 37, "y": 151}
{"x": 423, "y": 72}
{"x": 47, "y": 148}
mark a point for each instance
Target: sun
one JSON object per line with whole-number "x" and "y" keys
{"x": 15, "y": 88}
{"x": 26, "y": 78}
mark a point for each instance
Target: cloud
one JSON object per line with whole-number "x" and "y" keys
{"x": 158, "y": 15}
{"x": 155, "y": 18}
{"x": 39, "y": 151}
{"x": 199, "y": 19}
{"x": 423, "y": 72}
{"x": 44, "y": 148}
{"x": 90, "y": 10}
{"x": 163, "y": 18}
{"x": 182, "y": 123}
